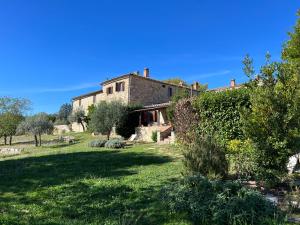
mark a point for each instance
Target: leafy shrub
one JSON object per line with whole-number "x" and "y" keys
{"x": 97, "y": 143}
{"x": 220, "y": 113}
{"x": 206, "y": 157}
{"x": 242, "y": 157}
{"x": 114, "y": 143}
{"x": 154, "y": 136}
{"x": 220, "y": 203}
{"x": 129, "y": 121}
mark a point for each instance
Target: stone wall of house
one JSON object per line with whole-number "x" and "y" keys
{"x": 121, "y": 96}
{"x": 87, "y": 101}
{"x": 76, "y": 127}
{"x": 148, "y": 92}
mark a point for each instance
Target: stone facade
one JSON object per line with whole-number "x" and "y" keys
{"x": 130, "y": 89}
{"x": 147, "y": 91}
{"x": 87, "y": 100}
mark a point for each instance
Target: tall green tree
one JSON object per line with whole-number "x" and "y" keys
{"x": 272, "y": 122}
{"x": 64, "y": 113}
{"x": 106, "y": 116}
{"x": 291, "y": 49}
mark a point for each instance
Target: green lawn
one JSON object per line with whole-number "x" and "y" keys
{"x": 80, "y": 185}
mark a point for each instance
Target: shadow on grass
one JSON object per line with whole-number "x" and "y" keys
{"x": 61, "y": 192}
{"x": 19, "y": 175}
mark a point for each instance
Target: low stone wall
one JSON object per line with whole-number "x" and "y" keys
{"x": 77, "y": 127}
{"x": 10, "y": 151}
{"x": 145, "y": 133}
{"x": 61, "y": 129}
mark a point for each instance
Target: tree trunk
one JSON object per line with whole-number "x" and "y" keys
{"x": 36, "y": 140}
{"x": 82, "y": 125}
{"x": 40, "y": 139}
{"x": 10, "y": 139}
{"x": 5, "y": 140}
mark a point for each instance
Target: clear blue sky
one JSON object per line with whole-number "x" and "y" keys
{"x": 52, "y": 50}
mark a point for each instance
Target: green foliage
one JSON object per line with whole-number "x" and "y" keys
{"x": 176, "y": 81}
{"x": 219, "y": 203}
{"x": 206, "y": 157}
{"x": 11, "y": 110}
{"x": 52, "y": 117}
{"x": 129, "y": 121}
{"x": 114, "y": 143}
{"x": 272, "y": 122}
{"x": 291, "y": 50}
{"x": 154, "y": 136}
{"x": 220, "y": 113}
{"x": 64, "y": 112}
{"x": 36, "y": 125}
{"x": 106, "y": 116}
{"x": 8, "y": 125}
{"x": 242, "y": 157}
{"x": 91, "y": 110}
{"x": 97, "y": 143}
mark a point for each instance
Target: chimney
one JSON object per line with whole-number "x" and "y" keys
{"x": 181, "y": 83}
{"x": 146, "y": 73}
{"x": 232, "y": 83}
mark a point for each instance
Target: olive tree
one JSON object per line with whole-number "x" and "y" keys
{"x": 16, "y": 106}
{"x": 78, "y": 116}
{"x": 8, "y": 125}
{"x": 11, "y": 111}
{"x": 106, "y": 116}
{"x": 36, "y": 125}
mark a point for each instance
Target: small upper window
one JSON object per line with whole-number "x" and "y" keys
{"x": 163, "y": 86}
{"x": 79, "y": 102}
{"x": 170, "y": 92}
{"x": 94, "y": 99}
{"x": 109, "y": 90}
{"x": 120, "y": 86}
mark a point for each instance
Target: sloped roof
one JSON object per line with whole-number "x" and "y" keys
{"x": 154, "y": 107}
{"x": 88, "y": 95}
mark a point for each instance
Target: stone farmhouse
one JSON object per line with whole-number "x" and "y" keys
{"x": 132, "y": 88}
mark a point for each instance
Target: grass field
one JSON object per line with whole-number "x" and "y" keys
{"x": 75, "y": 184}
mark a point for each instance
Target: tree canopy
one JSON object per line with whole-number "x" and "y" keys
{"x": 11, "y": 114}
{"x": 14, "y": 105}
{"x": 272, "y": 122}
{"x": 36, "y": 125}
{"x": 106, "y": 116}
{"x": 64, "y": 113}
